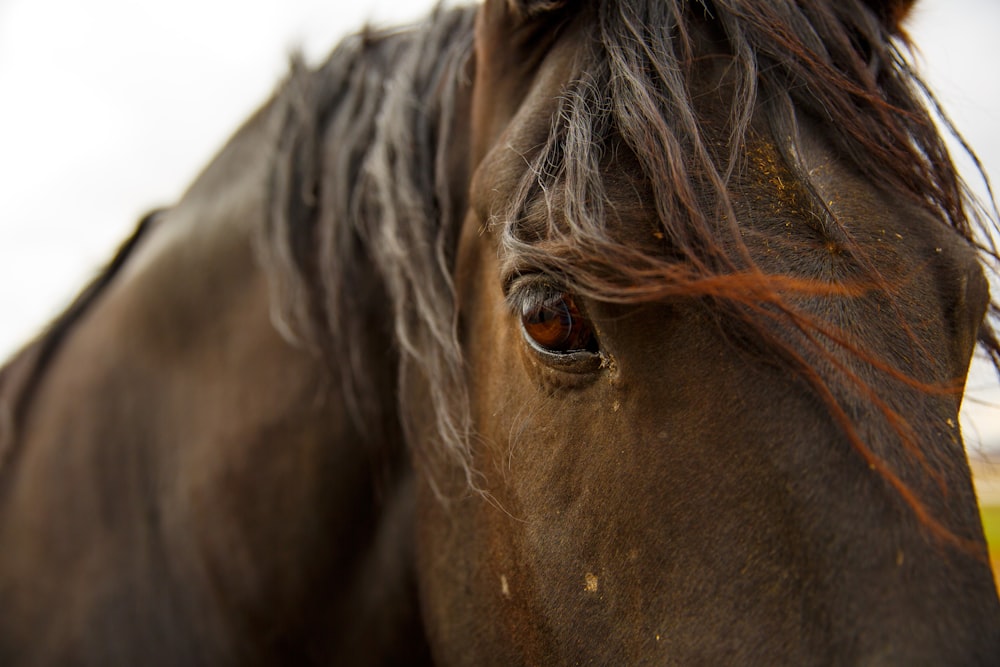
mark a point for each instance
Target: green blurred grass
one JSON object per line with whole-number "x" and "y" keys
{"x": 991, "y": 524}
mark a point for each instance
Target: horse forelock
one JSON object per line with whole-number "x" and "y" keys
{"x": 835, "y": 62}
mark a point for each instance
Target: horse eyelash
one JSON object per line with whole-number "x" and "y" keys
{"x": 524, "y": 293}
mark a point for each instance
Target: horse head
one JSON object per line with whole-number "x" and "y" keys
{"x": 716, "y": 301}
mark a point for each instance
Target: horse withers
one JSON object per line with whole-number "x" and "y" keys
{"x": 607, "y": 332}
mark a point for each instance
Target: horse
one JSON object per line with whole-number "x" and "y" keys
{"x": 540, "y": 332}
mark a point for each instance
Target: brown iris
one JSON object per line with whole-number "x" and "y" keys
{"x": 557, "y": 325}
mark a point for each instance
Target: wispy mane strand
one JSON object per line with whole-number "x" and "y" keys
{"x": 358, "y": 245}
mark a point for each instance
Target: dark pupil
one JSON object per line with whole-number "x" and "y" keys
{"x": 557, "y": 325}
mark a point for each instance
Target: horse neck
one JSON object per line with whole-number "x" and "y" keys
{"x": 189, "y": 478}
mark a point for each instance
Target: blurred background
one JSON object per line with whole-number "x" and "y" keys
{"x": 111, "y": 107}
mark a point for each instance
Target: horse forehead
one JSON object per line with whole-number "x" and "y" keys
{"x": 499, "y": 173}
{"x": 809, "y": 207}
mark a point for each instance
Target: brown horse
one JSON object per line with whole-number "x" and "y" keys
{"x": 548, "y": 332}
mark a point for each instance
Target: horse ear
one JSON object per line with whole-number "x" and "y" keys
{"x": 501, "y": 17}
{"x": 512, "y": 39}
{"x": 528, "y": 9}
{"x": 892, "y": 13}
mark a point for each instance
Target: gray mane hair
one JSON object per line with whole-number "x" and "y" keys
{"x": 360, "y": 214}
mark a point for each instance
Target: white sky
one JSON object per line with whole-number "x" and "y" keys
{"x": 110, "y": 107}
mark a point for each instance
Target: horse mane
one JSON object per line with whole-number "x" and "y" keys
{"x": 361, "y": 217}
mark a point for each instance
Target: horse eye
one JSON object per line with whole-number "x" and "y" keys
{"x": 556, "y": 325}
